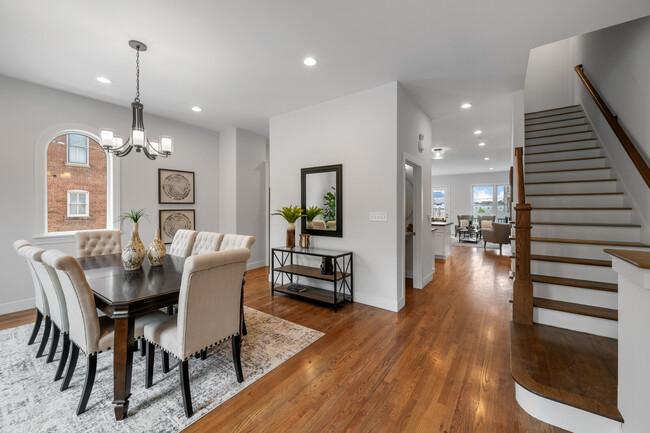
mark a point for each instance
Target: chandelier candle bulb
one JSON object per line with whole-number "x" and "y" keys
{"x": 107, "y": 138}
{"x": 166, "y": 144}
{"x": 137, "y": 138}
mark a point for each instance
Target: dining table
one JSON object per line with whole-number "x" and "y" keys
{"x": 124, "y": 295}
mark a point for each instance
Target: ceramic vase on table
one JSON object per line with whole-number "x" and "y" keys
{"x": 133, "y": 254}
{"x": 304, "y": 240}
{"x": 291, "y": 235}
{"x": 156, "y": 251}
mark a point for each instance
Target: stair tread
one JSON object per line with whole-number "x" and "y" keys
{"x": 554, "y": 121}
{"x": 584, "y": 224}
{"x": 581, "y": 309}
{"x": 566, "y": 160}
{"x": 563, "y": 150}
{"x": 577, "y": 140}
{"x": 570, "y": 181}
{"x": 574, "y": 282}
{"x": 571, "y": 260}
{"x": 591, "y": 242}
{"x": 553, "y": 115}
{"x": 559, "y": 135}
{"x": 568, "y": 170}
{"x": 541, "y": 363}
{"x": 557, "y": 127}
{"x": 551, "y": 109}
{"x": 581, "y": 208}
{"x": 575, "y": 193}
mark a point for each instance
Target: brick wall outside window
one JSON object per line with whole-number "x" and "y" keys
{"x": 63, "y": 177}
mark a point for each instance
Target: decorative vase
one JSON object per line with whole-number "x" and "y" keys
{"x": 156, "y": 251}
{"x": 310, "y": 224}
{"x": 304, "y": 240}
{"x": 291, "y": 235}
{"x": 133, "y": 254}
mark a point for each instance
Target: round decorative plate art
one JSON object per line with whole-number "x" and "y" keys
{"x": 175, "y": 186}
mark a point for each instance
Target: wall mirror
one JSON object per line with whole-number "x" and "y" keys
{"x": 323, "y": 187}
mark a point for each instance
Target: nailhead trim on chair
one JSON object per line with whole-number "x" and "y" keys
{"x": 197, "y": 352}
{"x": 107, "y": 349}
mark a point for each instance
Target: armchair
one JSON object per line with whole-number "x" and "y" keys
{"x": 498, "y": 234}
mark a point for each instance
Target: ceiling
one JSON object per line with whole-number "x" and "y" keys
{"x": 241, "y": 61}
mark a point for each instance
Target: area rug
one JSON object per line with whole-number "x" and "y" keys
{"x": 31, "y": 401}
{"x": 489, "y": 246}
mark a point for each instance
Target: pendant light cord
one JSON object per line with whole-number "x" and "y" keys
{"x": 137, "y": 75}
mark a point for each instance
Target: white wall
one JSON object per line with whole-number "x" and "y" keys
{"x": 358, "y": 131}
{"x": 548, "y": 85}
{"x": 27, "y": 111}
{"x": 460, "y": 191}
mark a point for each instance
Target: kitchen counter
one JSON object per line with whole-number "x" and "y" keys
{"x": 441, "y": 239}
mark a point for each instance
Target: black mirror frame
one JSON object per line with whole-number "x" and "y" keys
{"x": 338, "y": 169}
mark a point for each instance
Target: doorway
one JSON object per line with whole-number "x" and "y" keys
{"x": 412, "y": 223}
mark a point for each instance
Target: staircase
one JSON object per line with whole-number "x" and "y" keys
{"x": 569, "y": 356}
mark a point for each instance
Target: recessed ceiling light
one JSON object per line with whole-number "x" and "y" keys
{"x": 491, "y": 168}
{"x": 196, "y": 109}
{"x": 478, "y": 132}
{"x": 482, "y": 143}
{"x": 466, "y": 105}
{"x": 103, "y": 80}
{"x": 310, "y": 61}
{"x": 487, "y": 158}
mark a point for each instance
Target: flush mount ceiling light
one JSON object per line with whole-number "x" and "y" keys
{"x": 310, "y": 61}
{"x": 137, "y": 139}
{"x": 487, "y": 158}
{"x": 482, "y": 143}
{"x": 197, "y": 109}
{"x": 103, "y": 80}
{"x": 438, "y": 153}
{"x": 466, "y": 105}
{"x": 478, "y": 132}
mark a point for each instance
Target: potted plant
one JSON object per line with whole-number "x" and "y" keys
{"x": 329, "y": 209}
{"x": 133, "y": 254}
{"x": 291, "y": 215}
{"x": 311, "y": 213}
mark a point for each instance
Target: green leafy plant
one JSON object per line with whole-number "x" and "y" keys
{"x": 329, "y": 210}
{"x": 290, "y": 214}
{"x": 312, "y": 213}
{"x": 133, "y": 215}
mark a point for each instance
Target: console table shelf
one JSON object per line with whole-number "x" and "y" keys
{"x": 282, "y": 266}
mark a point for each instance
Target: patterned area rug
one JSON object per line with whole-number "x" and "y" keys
{"x": 31, "y": 401}
{"x": 489, "y": 246}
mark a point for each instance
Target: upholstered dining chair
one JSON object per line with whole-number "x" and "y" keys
{"x": 182, "y": 243}
{"x": 88, "y": 332}
{"x": 56, "y": 302}
{"x": 208, "y": 313}
{"x": 207, "y": 242}
{"x": 42, "y": 307}
{"x": 98, "y": 242}
{"x": 231, "y": 241}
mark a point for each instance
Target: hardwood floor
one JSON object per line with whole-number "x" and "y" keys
{"x": 442, "y": 364}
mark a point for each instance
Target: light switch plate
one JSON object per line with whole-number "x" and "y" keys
{"x": 378, "y": 216}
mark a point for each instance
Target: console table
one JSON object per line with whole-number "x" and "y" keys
{"x": 283, "y": 267}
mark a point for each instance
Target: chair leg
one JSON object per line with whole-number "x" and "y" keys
{"x": 170, "y": 310}
{"x": 135, "y": 345}
{"x": 151, "y": 351}
{"x": 236, "y": 357}
{"x": 37, "y": 326}
{"x": 484, "y": 244}
{"x": 74, "y": 354}
{"x": 46, "y": 336}
{"x": 54, "y": 344}
{"x": 64, "y": 357}
{"x": 88, "y": 385}
{"x": 143, "y": 348}
{"x": 185, "y": 389}
{"x": 165, "y": 362}
{"x": 500, "y": 246}
{"x": 204, "y": 354}
{"x": 244, "y": 330}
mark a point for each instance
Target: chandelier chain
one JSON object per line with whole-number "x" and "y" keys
{"x": 137, "y": 75}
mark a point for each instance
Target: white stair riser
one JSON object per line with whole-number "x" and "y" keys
{"x": 563, "y": 155}
{"x": 545, "y": 117}
{"x": 623, "y": 234}
{"x": 584, "y": 251}
{"x": 530, "y": 132}
{"x": 570, "y": 270}
{"x": 576, "y": 295}
{"x": 576, "y": 322}
{"x": 582, "y": 216}
{"x": 549, "y": 123}
{"x": 561, "y": 146}
{"x": 553, "y": 138}
{"x": 552, "y": 111}
{"x": 600, "y": 173}
{"x": 578, "y": 200}
{"x": 576, "y": 187}
{"x": 566, "y": 165}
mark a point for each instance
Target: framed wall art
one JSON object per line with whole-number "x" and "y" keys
{"x": 172, "y": 220}
{"x": 175, "y": 186}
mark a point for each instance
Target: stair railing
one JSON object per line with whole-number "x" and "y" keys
{"x": 631, "y": 150}
{"x": 522, "y": 298}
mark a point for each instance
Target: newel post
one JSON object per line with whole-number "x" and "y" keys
{"x": 522, "y": 311}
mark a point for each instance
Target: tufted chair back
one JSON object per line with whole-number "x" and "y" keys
{"x": 232, "y": 241}
{"x": 39, "y": 297}
{"x": 209, "y": 301}
{"x": 182, "y": 243}
{"x": 98, "y": 243}
{"x": 79, "y": 299}
{"x": 50, "y": 284}
{"x": 207, "y": 242}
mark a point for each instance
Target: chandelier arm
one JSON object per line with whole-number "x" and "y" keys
{"x": 124, "y": 152}
{"x": 148, "y": 154}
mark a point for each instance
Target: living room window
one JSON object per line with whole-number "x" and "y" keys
{"x": 78, "y": 203}
{"x": 491, "y": 200}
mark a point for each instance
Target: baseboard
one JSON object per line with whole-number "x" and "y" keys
{"x": 382, "y": 303}
{"x": 426, "y": 280}
{"x": 442, "y": 257}
{"x": 255, "y": 265}
{"x": 12, "y": 307}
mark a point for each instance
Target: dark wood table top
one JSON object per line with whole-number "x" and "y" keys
{"x": 118, "y": 289}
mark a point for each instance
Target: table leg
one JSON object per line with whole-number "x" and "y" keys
{"x": 122, "y": 365}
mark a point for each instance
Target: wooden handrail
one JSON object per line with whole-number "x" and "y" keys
{"x": 631, "y": 150}
{"x": 521, "y": 188}
{"x": 522, "y": 292}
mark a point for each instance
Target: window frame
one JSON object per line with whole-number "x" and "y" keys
{"x": 447, "y": 204}
{"x": 67, "y": 151}
{"x": 87, "y": 203}
{"x": 495, "y": 196}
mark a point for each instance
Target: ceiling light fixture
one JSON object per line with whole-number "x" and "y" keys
{"x": 466, "y": 105}
{"x": 137, "y": 138}
{"x": 482, "y": 143}
{"x": 478, "y": 132}
{"x": 438, "y": 153}
{"x": 491, "y": 168}
{"x": 487, "y": 158}
{"x": 103, "y": 80}
{"x": 197, "y": 109}
{"x": 310, "y": 61}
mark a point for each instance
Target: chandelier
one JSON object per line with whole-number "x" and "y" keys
{"x": 137, "y": 139}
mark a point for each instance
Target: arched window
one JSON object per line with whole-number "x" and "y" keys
{"x": 77, "y": 186}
